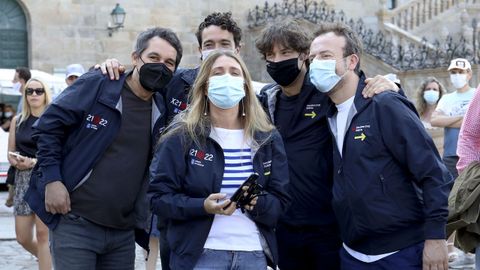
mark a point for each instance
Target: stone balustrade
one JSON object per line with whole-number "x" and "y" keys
{"x": 418, "y": 12}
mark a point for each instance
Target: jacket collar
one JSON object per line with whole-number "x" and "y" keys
{"x": 110, "y": 95}
{"x": 359, "y": 102}
{"x": 274, "y": 90}
{"x": 189, "y": 75}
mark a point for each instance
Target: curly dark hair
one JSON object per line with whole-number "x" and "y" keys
{"x": 288, "y": 33}
{"x": 224, "y": 21}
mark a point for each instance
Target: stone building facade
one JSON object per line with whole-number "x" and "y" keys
{"x": 60, "y": 32}
{"x": 50, "y": 34}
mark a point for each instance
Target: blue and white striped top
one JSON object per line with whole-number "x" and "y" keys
{"x": 235, "y": 232}
{"x": 238, "y": 167}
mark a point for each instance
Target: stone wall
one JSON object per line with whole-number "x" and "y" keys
{"x": 75, "y": 31}
{"x": 64, "y": 32}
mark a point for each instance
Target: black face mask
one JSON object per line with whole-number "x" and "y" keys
{"x": 154, "y": 76}
{"x": 284, "y": 72}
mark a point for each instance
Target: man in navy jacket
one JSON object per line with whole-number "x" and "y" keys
{"x": 94, "y": 147}
{"x": 307, "y": 234}
{"x": 390, "y": 187}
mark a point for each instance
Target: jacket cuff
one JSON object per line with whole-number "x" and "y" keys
{"x": 435, "y": 229}
{"x": 196, "y": 207}
{"x": 50, "y": 174}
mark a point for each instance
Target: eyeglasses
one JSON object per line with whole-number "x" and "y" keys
{"x": 38, "y": 91}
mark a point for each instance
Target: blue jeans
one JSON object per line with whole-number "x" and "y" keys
{"x": 409, "y": 258}
{"x": 77, "y": 243}
{"x": 231, "y": 260}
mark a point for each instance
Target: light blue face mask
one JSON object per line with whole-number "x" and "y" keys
{"x": 226, "y": 91}
{"x": 323, "y": 75}
{"x": 431, "y": 96}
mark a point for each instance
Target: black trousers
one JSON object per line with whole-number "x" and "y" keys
{"x": 313, "y": 247}
{"x": 164, "y": 246}
{"x": 451, "y": 164}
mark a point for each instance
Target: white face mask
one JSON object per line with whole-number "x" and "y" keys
{"x": 8, "y": 114}
{"x": 17, "y": 86}
{"x": 206, "y": 53}
{"x": 458, "y": 80}
{"x": 323, "y": 75}
{"x": 431, "y": 96}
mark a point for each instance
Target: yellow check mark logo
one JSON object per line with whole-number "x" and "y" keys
{"x": 312, "y": 114}
{"x": 360, "y": 137}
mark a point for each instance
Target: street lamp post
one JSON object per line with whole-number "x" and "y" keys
{"x": 118, "y": 18}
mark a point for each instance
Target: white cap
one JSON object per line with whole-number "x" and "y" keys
{"x": 459, "y": 63}
{"x": 75, "y": 70}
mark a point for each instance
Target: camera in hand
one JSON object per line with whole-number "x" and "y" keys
{"x": 243, "y": 197}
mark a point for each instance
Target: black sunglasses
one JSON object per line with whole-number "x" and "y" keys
{"x": 38, "y": 91}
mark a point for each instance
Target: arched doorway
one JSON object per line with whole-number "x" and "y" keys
{"x": 13, "y": 35}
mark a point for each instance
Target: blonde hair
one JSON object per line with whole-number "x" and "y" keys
{"x": 26, "y": 110}
{"x": 421, "y": 104}
{"x": 195, "y": 124}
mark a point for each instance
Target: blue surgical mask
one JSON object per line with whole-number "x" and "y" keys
{"x": 226, "y": 91}
{"x": 323, "y": 75}
{"x": 431, "y": 96}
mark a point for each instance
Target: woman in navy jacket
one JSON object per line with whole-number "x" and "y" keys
{"x": 206, "y": 154}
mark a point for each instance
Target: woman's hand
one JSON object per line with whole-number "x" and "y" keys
{"x": 212, "y": 206}
{"x": 12, "y": 160}
{"x": 25, "y": 163}
{"x": 252, "y": 203}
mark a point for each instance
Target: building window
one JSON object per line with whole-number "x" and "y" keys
{"x": 13, "y": 35}
{"x": 391, "y": 4}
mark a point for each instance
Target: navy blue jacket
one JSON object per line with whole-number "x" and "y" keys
{"x": 75, "y": 131}
{"x": 390, "y": 186}
{"x": 177, "y": 90}
{"x": 183, "y": 175}
{"x": 308, "y": 146}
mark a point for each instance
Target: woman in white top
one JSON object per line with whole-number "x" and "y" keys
{"x": 428, "y": 95}
{"x": 209, "y": 150}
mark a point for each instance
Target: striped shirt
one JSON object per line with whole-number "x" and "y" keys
{"x": 238, "y": 167}
{"x": 235, "y": 232}
{"x": 468, "y": 147}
